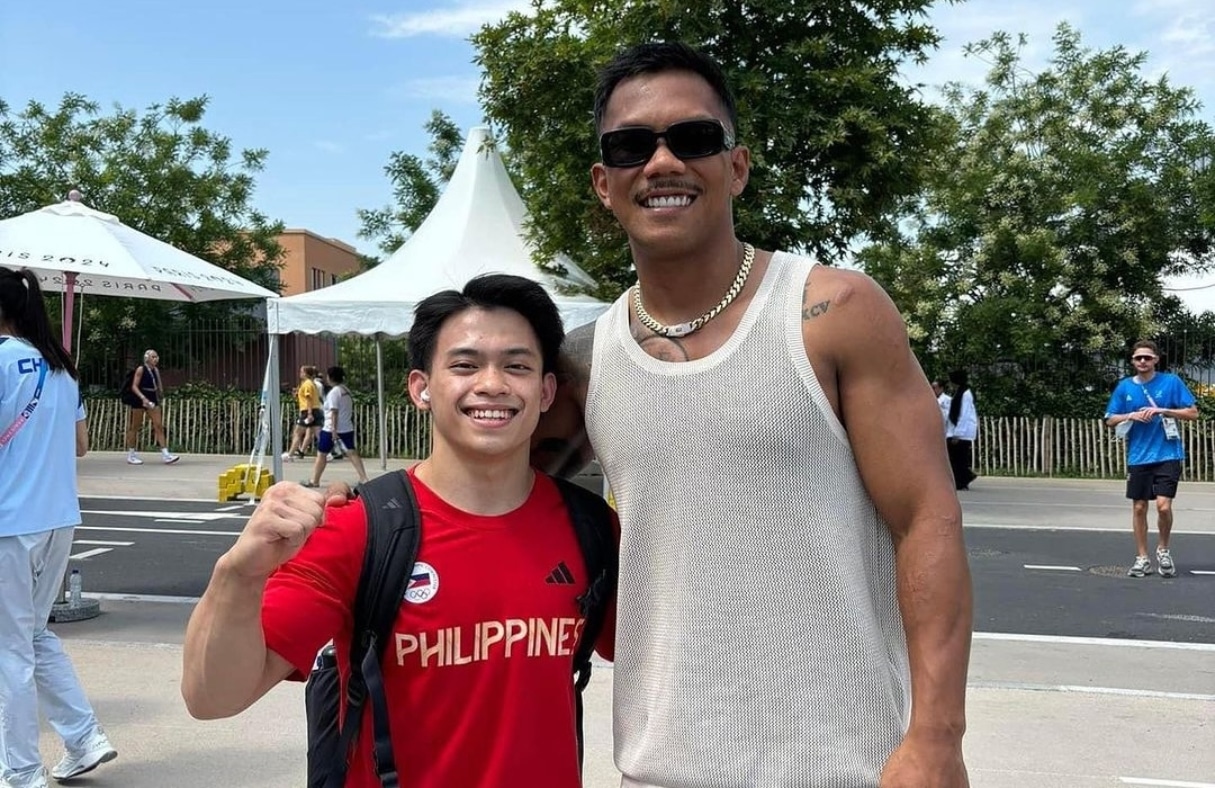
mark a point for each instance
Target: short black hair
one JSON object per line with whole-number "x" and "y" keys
{"x": 656, "y": 58}
{"x": 336, "y": 374}
{"x": 488, "y": 291}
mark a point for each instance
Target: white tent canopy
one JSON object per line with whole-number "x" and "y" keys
{"x": 475, "y": 228}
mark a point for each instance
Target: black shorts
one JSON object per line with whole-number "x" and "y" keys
{"x": 1145, "y": 482}
{"x": 318, "y": 418}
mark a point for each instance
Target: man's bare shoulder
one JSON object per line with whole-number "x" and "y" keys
{"x": 577, "y": 351}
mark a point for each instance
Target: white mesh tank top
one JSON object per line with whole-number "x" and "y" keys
{"x": 759, "y": 641}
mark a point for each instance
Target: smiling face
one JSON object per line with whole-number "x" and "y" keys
{"x": 668, "y": 204}
{"x": 485, "y": 386}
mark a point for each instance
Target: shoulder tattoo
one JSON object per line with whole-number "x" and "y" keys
{"x": 812, "y": 309}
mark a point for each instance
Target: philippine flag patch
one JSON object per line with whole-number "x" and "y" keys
{"x": 423, "y": 583}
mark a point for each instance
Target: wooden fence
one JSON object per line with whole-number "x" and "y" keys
{"x": 1006, "y": 446}
{"x": 1076, "y": 448}
{"x": 230, "y": 427}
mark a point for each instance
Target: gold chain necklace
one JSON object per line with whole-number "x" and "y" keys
{"x": 683, "y": 329}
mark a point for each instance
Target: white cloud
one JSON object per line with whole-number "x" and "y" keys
{"x": 464, "y": 19}
{"x": 329, "y": 146}
{"x": 451, "y": 89}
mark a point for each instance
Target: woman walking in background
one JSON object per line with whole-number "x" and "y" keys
{"x": 962, "y": 429}
{"x": 42, "y": 432}
{"x": 146, "y": 395}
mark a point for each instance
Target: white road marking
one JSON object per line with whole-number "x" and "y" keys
{"x": 1086, "y": 690}
{"x": 176, "y": 600}
{"x": 156, "y": 530}
{"x": 100, "y": 542}
{"x": 1164, "y": 783}
{"x": 200, "y": 516}
{"x": 1101, "y": 529}
{"x": 91, "y": 553}
{"x": 1082, "y": 641}
{"x": 1179, "y": 617}
{"x": 1201, "y": 572}
{"x": 178, "y": 521}
{"x": 1053, "y": 568}
{"x": 232, "y": 508}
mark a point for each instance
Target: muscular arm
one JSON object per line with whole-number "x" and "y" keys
{"x": 893, "y": 424}
{"x": 560, "y": 445}
{"x": 226, "y": 665}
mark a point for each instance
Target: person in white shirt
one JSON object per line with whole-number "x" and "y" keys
{"x": 339, "y": 421}
{"x": 962, "y": 427}
{"x": 943, "y": 402}
{"x": 42, "y": 432}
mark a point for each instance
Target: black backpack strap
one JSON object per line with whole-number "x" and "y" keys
{"x": 393, "y": 533}
{"x": 591, "y": 517}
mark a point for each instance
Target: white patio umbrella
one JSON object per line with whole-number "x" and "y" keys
{"x": 75, "y": 249}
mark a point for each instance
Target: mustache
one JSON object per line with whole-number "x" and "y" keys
{"x": 668, "y": 184}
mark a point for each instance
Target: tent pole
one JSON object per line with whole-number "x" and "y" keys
{"x": 379, "y": 381}
{"x": 69, "y": 293}
{"x": 275, "y": 404}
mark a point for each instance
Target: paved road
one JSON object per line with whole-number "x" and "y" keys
{"x": 1047, "y": 712}
{"x": 167, "y": 549}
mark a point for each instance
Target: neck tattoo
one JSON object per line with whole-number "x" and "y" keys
{"x": 683, "y": 329}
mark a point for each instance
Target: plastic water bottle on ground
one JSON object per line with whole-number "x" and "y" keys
{"x": 75, "y": 585}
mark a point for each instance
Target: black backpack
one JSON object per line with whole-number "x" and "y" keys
{"x": 124, "y": 391}
{"x": 393, "y": 534}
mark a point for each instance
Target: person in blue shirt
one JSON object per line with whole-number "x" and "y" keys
{"x": 1145, "y": 409}
{"x": 42, "y": 432}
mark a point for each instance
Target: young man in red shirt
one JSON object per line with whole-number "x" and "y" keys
{"x": 478, "y": 668}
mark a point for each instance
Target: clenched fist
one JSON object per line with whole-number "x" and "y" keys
{"x": 283, "y": 520}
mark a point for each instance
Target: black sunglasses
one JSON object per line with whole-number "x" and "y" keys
{"x": 633, "y": 146}
{"x": 1143, "y": 358}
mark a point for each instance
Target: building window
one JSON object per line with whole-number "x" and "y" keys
{"x": 318, "y": 279}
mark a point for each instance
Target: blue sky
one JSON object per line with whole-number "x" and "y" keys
{"x": 332, "y": 88}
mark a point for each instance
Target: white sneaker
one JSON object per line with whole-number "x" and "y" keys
{"x": 1164, "y": 562}
{"x": 133, "y": 459}
{"x": 287, "y": 457}
{"x": 97, "y": 750}
{"x": 170, "y": 458}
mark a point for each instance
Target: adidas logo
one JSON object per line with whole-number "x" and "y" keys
{"x": 392, "y": 503}
{"x": 560, "y": 576}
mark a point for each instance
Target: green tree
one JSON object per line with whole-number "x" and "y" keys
{"x": 416, "y": 186}
{"x": 160, "y": 172}
{"x": 1036, "y": 253}
{"x": 837, "y": 139}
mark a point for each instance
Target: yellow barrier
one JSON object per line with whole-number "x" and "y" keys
{"x": 244, "y": 479}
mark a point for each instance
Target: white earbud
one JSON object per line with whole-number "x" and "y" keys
{"x": 425, "y": 395}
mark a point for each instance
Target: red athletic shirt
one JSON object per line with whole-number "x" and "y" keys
{"x": 479, "y": 671}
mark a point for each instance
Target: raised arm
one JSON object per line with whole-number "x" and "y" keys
{"x": 559, "y": 444}
{"x": 226, "y": 666}
{"x": 894, "y": 426}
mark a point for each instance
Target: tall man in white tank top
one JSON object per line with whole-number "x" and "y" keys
{"x": 794, "y": 600}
